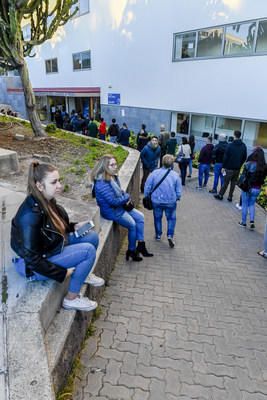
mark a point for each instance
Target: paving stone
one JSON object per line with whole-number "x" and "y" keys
{"x": 113, "y": 371}
{"x": 189, "y": 323}
{"x": 134, "y": 381}
{"x": 116, "y": 392}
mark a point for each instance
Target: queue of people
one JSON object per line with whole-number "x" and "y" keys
{"x": 49, "y": 246}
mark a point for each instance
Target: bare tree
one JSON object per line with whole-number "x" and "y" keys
{"x": 43, "y": 18}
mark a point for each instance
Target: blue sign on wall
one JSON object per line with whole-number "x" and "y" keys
{"x": 114, "y": 98}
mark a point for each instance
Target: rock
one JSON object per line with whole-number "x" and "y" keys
{"x": 42, "y": 157}
{"x": 19, "y": 137}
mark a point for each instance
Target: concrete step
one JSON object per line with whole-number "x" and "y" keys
{"x": 8, "y": 161}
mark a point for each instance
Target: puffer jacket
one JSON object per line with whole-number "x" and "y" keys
{"x": 34, "y": 238}
{"x": 150, "y": 157}
{"x": 110, "y": 204}
{"x": 168, "y": 192}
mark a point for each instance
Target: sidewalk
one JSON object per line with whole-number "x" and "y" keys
{"x": 189, "y": 323}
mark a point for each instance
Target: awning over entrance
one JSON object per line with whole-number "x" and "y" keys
{"x": 64, "y": 91}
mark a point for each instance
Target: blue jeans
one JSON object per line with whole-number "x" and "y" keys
{"x": 134, "y": 222}
{"x": 218, "y": 175}
{"x": 248, "y": 204}
{"x": 190, "y": 166}
{"x": 80, "y": 254}
{"x": 113, "y": 139}
{"x": 203, "y": 169}
{"x": 170, "y": 213}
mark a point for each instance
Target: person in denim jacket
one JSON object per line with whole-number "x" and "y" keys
{"x": 165, "y": 197}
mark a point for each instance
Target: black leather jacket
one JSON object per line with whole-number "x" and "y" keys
{"x": 34, "y": 239}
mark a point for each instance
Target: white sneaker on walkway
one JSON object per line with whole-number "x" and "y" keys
{"x": 238, "y": 206}
{"x": 79, "y": 303}
{"x": 95, "y": 281}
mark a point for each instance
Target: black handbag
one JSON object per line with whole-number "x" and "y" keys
{"x": 129, "y": 206}
{"x": 147, "y": 202}
{"x": 244, "y": 181}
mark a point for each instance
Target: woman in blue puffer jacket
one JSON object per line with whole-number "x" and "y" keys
{"x": 115, "y": 205}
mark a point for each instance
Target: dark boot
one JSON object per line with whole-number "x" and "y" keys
{"x": 134, "y": 255}
{"x": 141, "y": 248}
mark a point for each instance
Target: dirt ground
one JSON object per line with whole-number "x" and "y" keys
{"x": 60, "y": 152}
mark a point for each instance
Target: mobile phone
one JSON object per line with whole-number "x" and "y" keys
{"x": 84, "y": 229}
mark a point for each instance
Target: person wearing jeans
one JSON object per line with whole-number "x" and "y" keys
{"x": 234, "y": 156}
{"x": 164, "y": 197}
{"x": 217, "y": 159}
{"x": 248, "y": 205}
{"x": 45, "y": 240}
{"x": 255, "y": 172}
{"x": 116, "y": 205}
{"x": 205, "y": 159}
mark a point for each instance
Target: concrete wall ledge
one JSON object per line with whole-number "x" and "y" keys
{"x": 42, "y": 339}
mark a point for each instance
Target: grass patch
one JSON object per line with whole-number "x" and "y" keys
{"x": 96, "y": 149}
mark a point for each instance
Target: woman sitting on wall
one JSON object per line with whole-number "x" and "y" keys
{"x": 43, "y": 237}
{"x": 115, "y": 205}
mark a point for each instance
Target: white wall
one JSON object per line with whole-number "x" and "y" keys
{"x": 131, "y": 44}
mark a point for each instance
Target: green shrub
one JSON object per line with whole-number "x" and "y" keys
{"x": 195, "y": 161}
{"x": 262, "y": 198}
{"x": 50, "y": 128}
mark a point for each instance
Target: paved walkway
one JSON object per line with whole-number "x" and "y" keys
{"x": 189, "y": 323}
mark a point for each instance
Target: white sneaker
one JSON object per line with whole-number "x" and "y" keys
{"x": 238, "y": 206}
{"x": 95, "y": 281}
{"x": 79, "y": 303}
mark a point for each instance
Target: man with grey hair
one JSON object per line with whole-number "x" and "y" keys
{"x": 164, "y": 197}
{"x": 164, "y": 136}
{"x": 217, "y": 160}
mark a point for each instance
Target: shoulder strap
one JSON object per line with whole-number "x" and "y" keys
{"x": 160, "y": 182}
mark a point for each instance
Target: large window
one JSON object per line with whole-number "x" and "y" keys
{"x": 185, "y": 45}
{"x": 182, "y": 123}
{"x": 51, "y": 66}
{"x": 255, "y": 133}
{"x": 81, "y": 60}
{"x": 202, "y": 125}
{"x": 227, "y": 126}
{"x": 232, "y": 40}
{"x": 83, "y": 7}
{"x": 210, "y": 42}
{"x": 239, "y": 38}
{"x": 262, "y": 37}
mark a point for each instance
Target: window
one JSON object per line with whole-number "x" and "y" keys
{"x": 81, "y": 60}
{"x": 185, "y": 45}
{"x": 239, "y": 38}
{"x": 51, "y": 66}
{"x": 262, "y": 37}
{"x": 255, "y": 133}
{"x": 83, "y": 7}
{"x": 227, "y": 126}
{"x": 210, "y": 42}
{"x": 182, "y": 123}
{"x": 202, "y": 125}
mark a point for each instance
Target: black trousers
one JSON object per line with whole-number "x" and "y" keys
{"x": 230, "y": 177}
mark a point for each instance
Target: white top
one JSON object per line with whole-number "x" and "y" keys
{"x": 186, "y": 149}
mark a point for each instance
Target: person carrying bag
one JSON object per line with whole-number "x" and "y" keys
{"x": 147, "y": 202}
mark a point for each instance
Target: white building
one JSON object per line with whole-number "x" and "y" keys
{"x": 198, "y": 66}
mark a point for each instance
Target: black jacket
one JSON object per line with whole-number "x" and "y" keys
{"x": 34, "y": 239}
{"x": 218, "y": 152}
{"x": 235, "y": 155}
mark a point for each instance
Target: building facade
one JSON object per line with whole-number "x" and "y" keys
{"x": 197, "y": 66}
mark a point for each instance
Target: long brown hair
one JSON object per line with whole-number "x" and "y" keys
{"x": 37, "y": 173}
{"x": 102, "y": 168}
